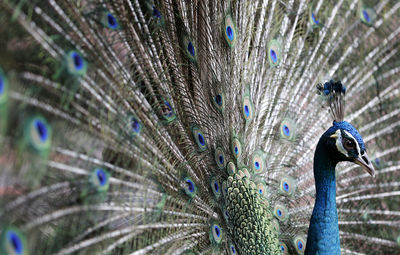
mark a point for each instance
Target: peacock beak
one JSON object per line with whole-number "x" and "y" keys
{"x": 365, "y": 163}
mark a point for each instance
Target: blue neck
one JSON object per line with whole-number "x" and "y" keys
{"x": 323, "y": 232}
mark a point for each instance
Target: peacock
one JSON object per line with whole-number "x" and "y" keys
{"x": 199, "y": 127}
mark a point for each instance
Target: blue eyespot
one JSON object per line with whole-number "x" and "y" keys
{"x": 285, "y": 186}
{"x": 167, "y": 112}
{"x": 229, "y": 33}
{"x": 216, "y": 187}
{"x": 216, "y": 233}
{"x": 232, "y": 249}
{"x": 41, "y": 129}
{"x": 231, "y": 168}
{"x": 190, "y": 185}
{"x": 377, "y": 161}
{"x": 38, "y": 131}
{"x": 258, "y": 162}
{"x": 221, "y": 159}
{"x": 134, "y": 125}
{"x": 274, "y": 58}
{"x": 286, "y": 130}
{"x": 100, "y": 179}
{"x": 101, "y": 176}
{"x": 274, "y": 52}
{"x": 201, "y": 139}
{"x": 156, "y": 13}
{"x": 190, "y": 48}
{"x": 283, "y": 248}
{"x": 78, "y": 61}
{"x": 281, "y": 212}
{"x": 112, "y": 21}
{"x": 300, "y": 245}
{"x": 75, "y": 63}
{"x": 218, "y": 99}
{"x": 314, "y": 19}
{"x": 15, "y": 241}
{"x": 366, "y": 16}
{"x": 247, "y": 109}
{"x": 236, "y": 147}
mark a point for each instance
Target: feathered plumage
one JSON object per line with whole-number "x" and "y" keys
{"x": 189, "y": 127}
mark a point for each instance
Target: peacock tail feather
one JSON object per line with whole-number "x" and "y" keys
{"x": 189, "y": 127}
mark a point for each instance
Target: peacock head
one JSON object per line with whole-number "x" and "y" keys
{"x": 346, "y": 144}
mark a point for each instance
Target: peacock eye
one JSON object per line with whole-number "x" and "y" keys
{"x": 348, "y": 144}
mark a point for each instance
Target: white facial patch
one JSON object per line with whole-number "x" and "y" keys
{"x": 339, "y": 144}
{"x": 357, "y": 146}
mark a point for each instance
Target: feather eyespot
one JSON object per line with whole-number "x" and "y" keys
{"x": 258, "y": 162}
{"x": 199, "y": 138}
{"x": 167, "y": 112}
{"x": 13, "y": 242}
{"x": 189, "y": 187}
{"x": 189, "y": 48}
{"x": 314, "y": 19}
{"x": 281, "y": 212}
{"x": 219, "y": 157}
{"x": 230, "y": 31}
{"x": 39, "y": 134}
{"x": 262, "y": 189}
{"x": 156, "y": 13}
{"x": 76, "y": 64}
{"x": 236, "y": 147}
{"x": 232, "y": 249}
{"x": 288, "y": 129}
{"x": 287, "y": 186}
{"x": 247, "y": 108}
{"x": 216, "y": 233}
{"x": 134, "y": 125}
{"x": 231, "y": 168}
{"x": 367, "y": 15}
{"x": 299, "y": 244}
{"x": 283, "y": 248}
{"x": 218, "y": 99}
{"x": 100, "y": 179}
{"x": 215, "y": 187}
{"x": 274, "y": 52}
{"x": 109, "y": 21}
